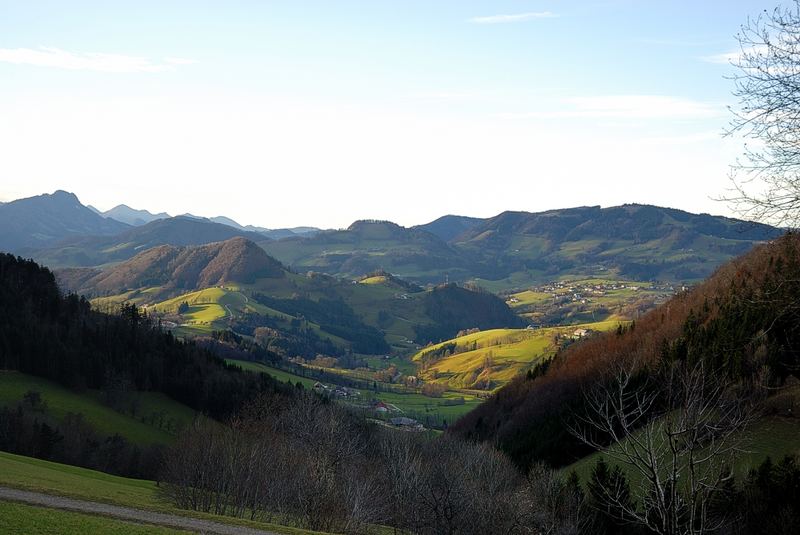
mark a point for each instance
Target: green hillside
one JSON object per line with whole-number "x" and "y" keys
{"x": 489, "y": 359}
{"x": 151, "y": 417}
{"x": 366, "y": 311}
{"x": 517, "y": 249}
{"x": 773, "y": 437}
{"x": 367, "y": 246}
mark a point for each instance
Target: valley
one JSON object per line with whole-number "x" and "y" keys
{"x": 371, "y": 306}
{"x": 244, "y": 336}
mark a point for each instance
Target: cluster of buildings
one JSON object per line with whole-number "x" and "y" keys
{"x": 336, "y": 391}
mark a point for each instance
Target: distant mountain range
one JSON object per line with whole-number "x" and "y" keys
{"x": 43, "y": 220}
{"x": 517, "y": 248}
{"x": 131, "y": 216}
{"x": 510, "y": 250}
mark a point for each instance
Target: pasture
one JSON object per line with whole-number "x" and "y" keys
{"x": 156, "y": 419}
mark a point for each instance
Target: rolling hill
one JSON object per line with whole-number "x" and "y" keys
{"x": 367, "y": 246}
{"x": 178, "y": 268}
{"x": 638, "y": 242}
{"x": 518, "y": 249}
{"x": 449, "y": 227}
{"x": 487, "y": 360}
{"x": 235, "y": 283}
{"x": 43, "y": 220}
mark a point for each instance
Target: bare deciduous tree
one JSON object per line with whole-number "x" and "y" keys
{"x": 677, "y": 434}
{"x": 766, "y": 181}
{"x": 549, "y": 505}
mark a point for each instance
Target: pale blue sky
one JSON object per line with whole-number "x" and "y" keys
{"x": 286, "y": 112}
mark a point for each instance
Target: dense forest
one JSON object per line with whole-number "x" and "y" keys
{"x": 456, "y": 308}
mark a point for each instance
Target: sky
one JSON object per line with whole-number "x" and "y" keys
{"x": 287, "y": 113}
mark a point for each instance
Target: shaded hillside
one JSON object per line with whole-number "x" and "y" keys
{"x": 744, "y": 316}
{"x": 517, "y": 249}
{"x": 449, "y": 227}
{"x": 45, "y": 219}
{"x": 174, "y": 268}
{"x": 367, "y": 246}
{"x": 455, "y": 308}
{"x": 46, "y": 334}
{"x": 99, "y": 250}
{"x": 637, "y": 241}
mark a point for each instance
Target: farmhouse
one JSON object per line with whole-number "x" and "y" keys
{"x": 581, "y": 333}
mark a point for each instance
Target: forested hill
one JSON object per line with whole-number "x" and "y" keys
{"x": 178, "y": 268}
{"x": 59, "y": 337}
{"x": 512, "y": 249}
{"x": 740, "y": 322}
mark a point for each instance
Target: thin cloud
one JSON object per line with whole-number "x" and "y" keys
{"x": 86, "y": 61}
{"x": 734, "y": 57}
{"x": 518, "y": 17}
{"x": 627, "y": 107}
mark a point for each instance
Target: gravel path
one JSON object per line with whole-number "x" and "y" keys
{"x": 127, "y": 513}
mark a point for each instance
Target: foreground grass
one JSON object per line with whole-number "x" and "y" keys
{"x": 152, "y": 407}
{"x": 20, "y": 519}
{"x": 47, "y": 477}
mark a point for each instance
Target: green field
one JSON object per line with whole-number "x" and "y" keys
{"x": 64, "y": 480}
{"x": 19, "y": 519}
{"x": 152, "y": 407}
{"x": 494, "y": 357}
{"x": 411, "y": 402}
{"x": 570, "y": 301}
{"x": 280, "y": 375}
{"x": 211, "y": 308}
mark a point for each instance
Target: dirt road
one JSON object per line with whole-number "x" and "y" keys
{"x": 127, "y": 513}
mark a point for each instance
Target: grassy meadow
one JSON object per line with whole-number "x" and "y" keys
{"x": 494, "y": 357}
{"x": 152, "y": 409}
{"x": 22, "y": 519}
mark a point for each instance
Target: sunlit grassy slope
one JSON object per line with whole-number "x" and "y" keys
{"x": 492, "y": 358}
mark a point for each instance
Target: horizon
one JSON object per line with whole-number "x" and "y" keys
{"x": 234, "y": 218}
{"x": 321, "y": 114}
